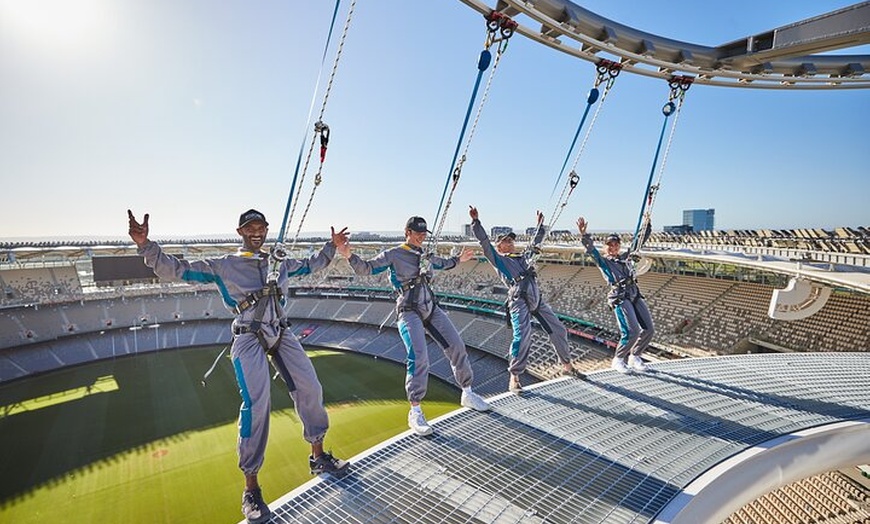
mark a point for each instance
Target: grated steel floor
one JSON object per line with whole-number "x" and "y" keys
{"x": 614, "y": 448}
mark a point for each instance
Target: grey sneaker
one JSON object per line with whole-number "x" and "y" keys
{"x": 254, "y": 508}
{"x": 472, "y": 400}
{"x": 326, "y": 463}
{"x": 417, "y": 422}
{"x": 573, "y": 373}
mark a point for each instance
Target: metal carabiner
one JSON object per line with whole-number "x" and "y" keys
{"x": 278, "y": 253}
{"x": 322, "y": 129}
{"x": 573, "y": 179}
{"x": 508, "y": 26}
{"x": 457, "y": 171}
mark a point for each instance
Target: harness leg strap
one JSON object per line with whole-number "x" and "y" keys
{"x": 439, "y": 338}
{"x": 543, "y": 322}
{"x": 278, "y": 363}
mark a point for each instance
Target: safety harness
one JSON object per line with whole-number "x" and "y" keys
{"x": 411, "y": 290}
{"x": 260, "y": 300}
{"x": 618, "y": 289}
{"x": 254, "y": 298}
{"x": 523, "y": 280}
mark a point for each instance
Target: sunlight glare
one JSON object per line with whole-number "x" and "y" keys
{"x": 55, "y": 23}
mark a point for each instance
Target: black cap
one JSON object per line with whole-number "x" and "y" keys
{"x": 505, "y": 236}
{"x": 613, "y": 237}
{"x": 417, "y": 224}
{"x": 250, "y": 216}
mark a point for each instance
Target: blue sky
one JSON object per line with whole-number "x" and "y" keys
{"x": 195, "y": 110}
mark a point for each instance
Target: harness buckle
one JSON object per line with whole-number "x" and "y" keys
{"x": 240, "y": 330}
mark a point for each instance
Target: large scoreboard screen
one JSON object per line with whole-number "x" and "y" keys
{"x": 120, "y": 269}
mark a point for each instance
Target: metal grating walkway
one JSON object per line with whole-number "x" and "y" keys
{"x": 614, "y": 448}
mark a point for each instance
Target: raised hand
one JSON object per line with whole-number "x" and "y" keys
{"x": 466, "y": 254}
{"x": 340, "y": 238}
{"x": 540, "y": 218}
{"x": 341, "y": 242}
{"x": 138, "y": 232}
{"x": 581, "y": 225}
{"x": 472, "y": 212}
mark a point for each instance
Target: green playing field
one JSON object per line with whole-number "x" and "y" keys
{"x": 139, "y": 439}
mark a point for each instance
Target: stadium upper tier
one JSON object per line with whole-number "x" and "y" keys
{"x": 695, "y": 313}
{"x": 842, "y": 255}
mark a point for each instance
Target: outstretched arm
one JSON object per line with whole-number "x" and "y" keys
{"x": 166, "y": 266}
{"x": 485, "y": 244}
{"x": 586, "y": 239}
{"x": 477, "y": 228}
{"x": 318, "y": 261}
{"x": 378, "y": 264}
{"x": 442, "y": 263}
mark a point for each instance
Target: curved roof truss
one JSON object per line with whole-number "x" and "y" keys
{"x": 780, "y": 58}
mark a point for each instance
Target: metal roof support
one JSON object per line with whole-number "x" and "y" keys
{"x": 783, "y": 53}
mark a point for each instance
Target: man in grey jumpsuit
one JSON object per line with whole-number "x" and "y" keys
{"x": 259, "y": 331}
{"x": 417, "y": 314}
{"x": 632, "y": 314}
{"x": 524, "y": 299}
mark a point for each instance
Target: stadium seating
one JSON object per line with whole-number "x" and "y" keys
{"x": 52, "y": 284}
{"x": 830, "y": 497}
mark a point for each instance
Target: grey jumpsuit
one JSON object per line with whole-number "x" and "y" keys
{"x": 237, "y": 276}
{"x": 524, "y": 301}
{"x": 417, "y": 313}
{"x": 632, "y": 314}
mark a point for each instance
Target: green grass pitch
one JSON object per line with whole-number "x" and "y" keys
{"x": 161, "y": 448}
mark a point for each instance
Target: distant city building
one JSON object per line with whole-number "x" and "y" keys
{"x": 466, "y": 230}
{"x": 682, "y": 229}
{"x": 366, "y": 236}
{"x": 530, "y": 231}
{"x": 699, "y": 219}
{"x": 500, "y": 230}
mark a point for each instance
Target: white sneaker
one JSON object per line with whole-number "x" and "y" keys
{"x": 619, "y": 365}
{"x": 417, "y": 422}
{"x": 636, "y": 363}
{"x": 472, "y": 400}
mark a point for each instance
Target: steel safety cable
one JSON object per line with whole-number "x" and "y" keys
{"x": 607, "y": 71}
{"x": 284, "y": 221}
{"x": 654, "y": 189}
{"x": 678, "y": 87}
{"x": 441, "y": 220}
{"x": 679, "y": 92}
{"x": 499, "y": 30}
{"x": 320, "y": 128}
{"x": 482, "y": 65}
